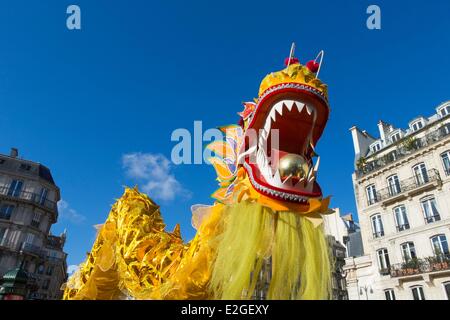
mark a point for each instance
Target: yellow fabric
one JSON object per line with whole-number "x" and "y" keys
{"x": 254, "y": 233}
{"x": 133, "y": 256}
{"x": 295, "y": 73}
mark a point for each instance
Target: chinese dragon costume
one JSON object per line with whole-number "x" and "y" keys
{"x": 262, "y": 237}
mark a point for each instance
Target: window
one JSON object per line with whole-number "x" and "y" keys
{"x": 440, "y": 244}
{"x": 46, "y": 284}
{"x": 446, "y": 129}
{"x": 2, "y": 234}
{"x": 447, "y": 289}
{"x": 408, "y": 251}
{"x": 395, "y": 137}
{"x": 40, "y": 269}
{"x": 43, "y": 196}
{"x": 49, "y": 270}
{"x": 375, "y": 147}
{"x": 15, "y": 188}
{"x": 5, "y": 211}
{"x": 25, "y": 167}
{"x": 36, "y": 221}
{"x": 430, "y": 211}
{"x": 444, "y": 111}
{"x": 30, "y": 238}
{"x": 383, "y": 260}
{"x": 393, "y": 185}
{"x": 417, "y": 293}
{"x": 417, "y": 125}
{"x": 389, "y": 294}
{"x": 421, "y": 174}
{"x": 401, "y": 218}
{"x": 377, "y": 226}
{"x": 446, "y": 160}
{"x": 371, "y": 194}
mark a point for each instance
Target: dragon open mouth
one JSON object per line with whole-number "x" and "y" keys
{"x": 280, "y": 158}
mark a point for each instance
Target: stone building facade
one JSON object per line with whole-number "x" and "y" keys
{"x": 28, "y": 209}
{"x": 402, "y": 191}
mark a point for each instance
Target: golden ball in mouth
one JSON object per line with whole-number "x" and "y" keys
{"x": 293, "y": 165}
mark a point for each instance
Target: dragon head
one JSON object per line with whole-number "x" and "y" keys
{"x": 274, "y": 143}
{"x": 281, "y": 130}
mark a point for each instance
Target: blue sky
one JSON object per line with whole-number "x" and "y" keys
{"x": 78, "y": 101}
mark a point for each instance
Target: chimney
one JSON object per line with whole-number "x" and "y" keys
{"x": 14, "y": 153}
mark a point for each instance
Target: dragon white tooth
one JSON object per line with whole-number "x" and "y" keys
{"x": 300, "y": 183}
{"x": 288, "y": 179}
{"x": 289, "y": 104}
{"x": 265, "y": 134}
{"x": 290, "y": 182}
{"x": 279, "y": 107}
{"x": 316, "y": 166}
{"x": 267, "y": 124}
{"x": 273, "y": 115}
{"x": 310, "y": 185}
{"x": 299, "y": 106}
{"x": 309, "y": 109}
{"x": 310, "y": 173}
{"x": 277, "y": 178}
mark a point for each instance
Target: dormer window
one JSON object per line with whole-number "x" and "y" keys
{"x": 444, "y": 110}
{"x": 375, "y": 147}
{"x": 417, "y": 125}
{"x": 395, "y": 136}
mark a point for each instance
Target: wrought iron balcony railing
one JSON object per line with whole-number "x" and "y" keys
{"x": 54, "y": 259}
{"x": 378, "y": 234}
{"x": 407, "y": 185}
{"x": 404, "y": 148}
{"x": 28, "y": 196}
{"x": 385, "y": 271}
{"x": 432, "y": 219}
{"x": 403, "y": 227}
{"x": 419, "y": 266}
{"x": 33, "y": 249}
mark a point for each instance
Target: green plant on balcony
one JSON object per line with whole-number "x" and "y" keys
{"x": 361, "y": 163}
{"x": 410, "y": 144}
{"x": 411, "y": 266}
{"x": 387, "y": 158}
{"x": 439, "y": 261}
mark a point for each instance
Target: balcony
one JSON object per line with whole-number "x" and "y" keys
{"x": 432, "y": 219}
{"x": 402, "y": 227}
{"x": 421, "y": 266}
{"x": 409, "y": 187}
{"x": 32, "y": 249}
{"x": 29, "y": 197}
{"x": 405, "y": 147}
{"x": 385, "y": 271}
{"x": 378, "y": 234}
{"x": 55, "y": 260}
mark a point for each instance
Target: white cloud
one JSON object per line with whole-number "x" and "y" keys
{"x": 154, "y": 172}
{"x": 71, "y": 269}
{"x": 68, "y": 213}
